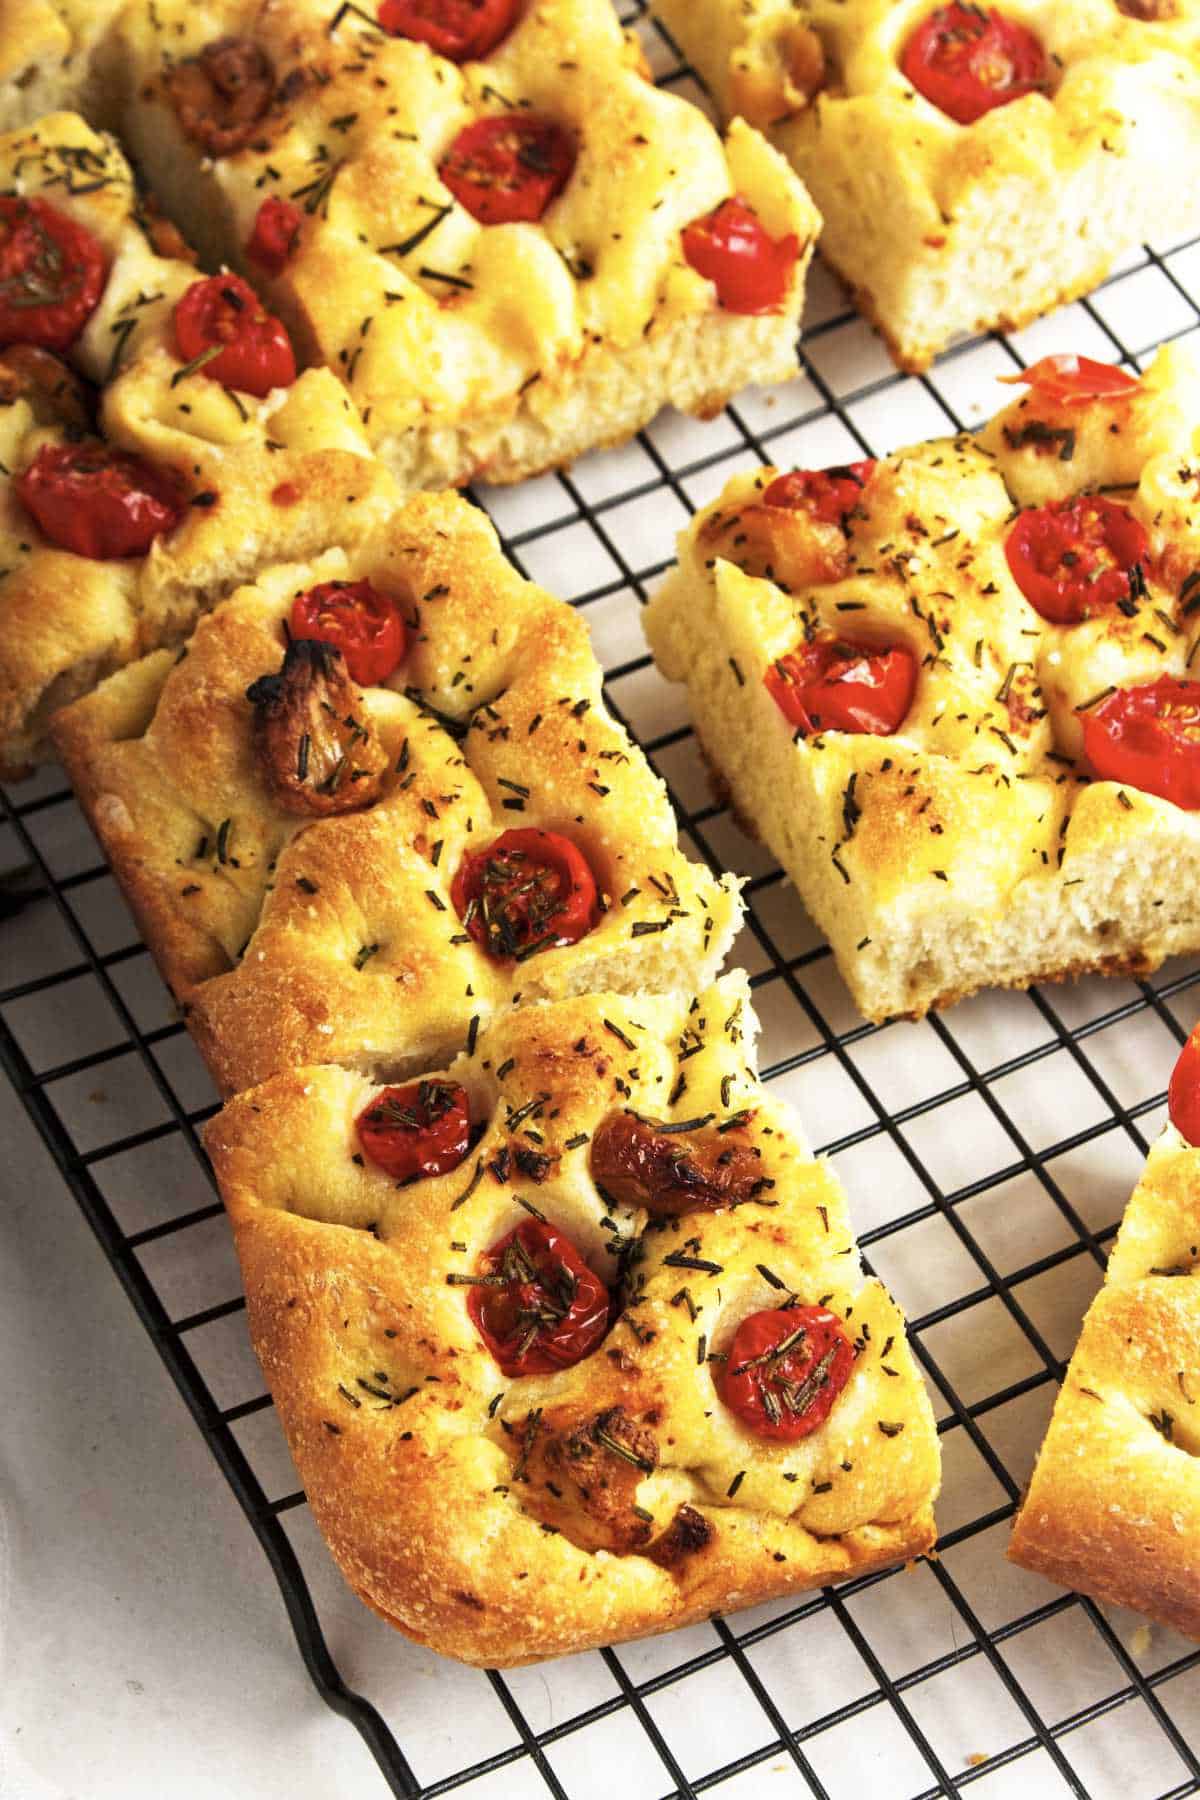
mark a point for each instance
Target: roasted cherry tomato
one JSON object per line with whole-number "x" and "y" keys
{"x": 785, "y": 1369}
{"x": 751, "y": 270}
{"x": 830, "y": 495}
{"x": 969, "y": 59}
{"x": 833, "y": 685}
{"x": 276, "y": 233}
{"x": 223, "y": 320}
{"x": 52, "y": 274}
{"x": 536, "y": 1304}
{"x": 1075, "y": 380}
{"x": 647, "y": 1163}
{"x": 1183, "y": 1095}
{"x": 1073, "y": 559}
{"x": 418, "y": 1130}
{"x": 365, "y": 625}
{"x": 508, "y": 169}
{"x": 1148, "y": 737}
{"x": 458, "y": 29}
{"x": 530, "y": 890}
{"x": 99, "y": 502}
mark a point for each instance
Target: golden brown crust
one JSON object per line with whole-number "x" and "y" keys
{"x": 972, "y": 846}
{"x": 289, "y": 941}
{"x": 1113, "y": 1508}
{"x": 393, "y": 1407}
{"x": 265, "y": 479}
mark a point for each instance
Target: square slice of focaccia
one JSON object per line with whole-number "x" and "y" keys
{"x": 132, "y": 492}
{"x": 541, "y": 305}
{"x": 975, "y": 166}
{"x": 1113, "y": 1508}
{"x": 605, "y": 1363}
{"x": 336, "y": 870}
{"x": 953, "y": 690}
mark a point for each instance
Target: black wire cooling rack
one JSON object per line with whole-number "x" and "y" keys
{"x": 988, "y": 1154}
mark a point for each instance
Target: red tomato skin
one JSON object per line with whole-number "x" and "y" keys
{"x": 1183, "y": 1094}
{"x": 272, "y": 243}
{"x": 1068, "y": 380}
{"x": 506, "y": 170}
{"x": 255, "y": 352}
{"x": 97, "y": 502}
{"x": 493, "y": 1310}
{"x": 1148, "y": 737}
{"x": 42, "y": 251}
{"x": 830, "y": 495}
{"x": 966, "y": 60}
{"x": 431, "y": 1145}
{"x": 460, "y": 30}
{"x": 1098, "y": 533}
{"x": 365, "y": 625}
{"x": 526, "y": 850}
{"x": 741, "y": 1388}
{"x": 751, "y": 270}
{"x": 834, "y": 685}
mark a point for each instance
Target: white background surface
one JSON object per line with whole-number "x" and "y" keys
{"x": 144, "y": 1649}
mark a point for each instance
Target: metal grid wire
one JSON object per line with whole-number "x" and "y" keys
{"x": 988, "y": 1154}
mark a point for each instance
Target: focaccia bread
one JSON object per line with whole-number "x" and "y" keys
{"x": 1113, "y": 1508}
{"x": 502, "y": 1517}
{"x": 948, "y": 771}
{"x": 307, "y": 146}
{"x": 944, "y": 221}
{"x": 232, "y": 479}
{"x": 294, "y": 857}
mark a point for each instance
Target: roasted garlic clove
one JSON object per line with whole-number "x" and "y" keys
{"x": 223, "y": 95}
{"x": 583, "y": 1477}
{"x": 56, "y": 394}
{"x": 317, "y": 751}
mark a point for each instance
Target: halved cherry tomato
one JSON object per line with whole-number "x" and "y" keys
{"x": 52, "y": 274}
{"x": 833, "y": 685}
{"x": 365, "y": 625}
{"x": 530, "y": 890}
{"x": 461, "y": 30}
{"x": 98, "y": 502}
{"x": 830, "y": 495}
{"x": 508, "y": 169}
{"x": 536, "y": 1304}
{"x": 751, "y": 270}
{"x": 785, "y": 1369}
{"x": 969, "y": 59}
{"x": 419, "y": 1130}
{"x": 1183, "y": 1094}
{"x": 1149, "y": 738}
{"x": 1074, "y": 380}
{"x": 1073, "y": 558}
{"x": 223, "y": 319}
{"x": 272, "y": 243}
